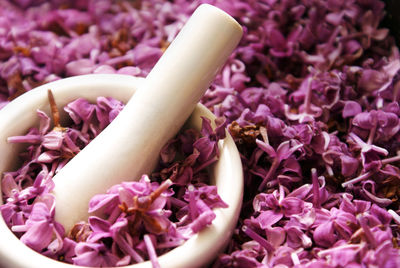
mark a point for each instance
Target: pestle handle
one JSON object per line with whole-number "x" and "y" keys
{"x": 130, "y": 145}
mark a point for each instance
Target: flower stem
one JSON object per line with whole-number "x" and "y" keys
{"x": 307, "y": 99}
{"x": 127, "y": 249}
{"x": 315, "y": 184}
{"x": 326, "y": 252}
{"x": 192, "y": 206}
{"x": 157, "y": 192}
{"x": 151, "y": 251}
{"x": 259, "y": 239}
{"x": 395, "y": 216}
{"x": 367, "y": 231}
{"x": 357, "y": 179}
{"x": 272, "y": 183}
{"x": 281, "y": 193}
{"x": 54, "y": 110}
{"x": 340, "y": 231}
{"x": 295, "y": 258}
{"x": 372, "y": 134}
{"x": 391, "y": 159}
{"x": 264, "y": 134}
{"x": 271, "y": 171}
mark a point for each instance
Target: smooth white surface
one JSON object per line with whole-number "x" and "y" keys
{"x": 153, "y": 116}
{"x": 19, "y": 115}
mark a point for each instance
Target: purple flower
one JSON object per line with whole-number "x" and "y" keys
{"x": 281, "y": 46}
{"x": 40, "y": 228}
{"x": 208, "y": 194}
{"x": 240, "y": 258}
{"x": 208, "y": 144}
{"x": 382, "y": 125}
{"x": 62, "y": 250}
{"x": 93, "y": 254}
{"x": 307, "y": 111}
{"x": 369, "y": 153}
{"x": 275, "y": 206}
{"x": 369, "y": 26}
{"x": 386, "y": 256}
{"x": 80, "y": 110}
{"x": 100, "y": 229}
{"x": 351, "y": 108}
{"x": 284, "y": 151}
{"x": 331, "y": 226}
{"x": 297, "y": 238}
{"x": 341, "y": 254}
{"x": 142, "y": 202}
{"x": 198, "y": 212}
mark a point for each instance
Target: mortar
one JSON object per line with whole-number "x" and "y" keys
{"x": 18, "y": 116}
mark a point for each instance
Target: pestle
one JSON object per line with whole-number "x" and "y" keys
{"x": 130, "y": 145}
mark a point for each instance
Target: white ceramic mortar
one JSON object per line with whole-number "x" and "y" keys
{"x": 20, "y": 114}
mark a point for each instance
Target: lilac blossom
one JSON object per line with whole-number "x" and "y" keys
{"x": 310, "y": 96}
{"x": 92, "y": 254}
{"x": 135, "y": 220}
{"x": 40, "y": 228}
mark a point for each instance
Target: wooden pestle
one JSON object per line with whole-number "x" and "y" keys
{"x": 130, "y": 145}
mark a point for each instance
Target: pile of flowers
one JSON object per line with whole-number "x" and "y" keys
{"x": 311, "y": 97}
{"x": 134, "y": 221}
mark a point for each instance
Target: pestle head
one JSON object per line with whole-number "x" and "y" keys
{"x": 130, "y": 145}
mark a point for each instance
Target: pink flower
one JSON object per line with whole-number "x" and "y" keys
{"x": 40, "y": 228}
{"x": 94, "y": 254}
{"x": 275, "y": 206}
